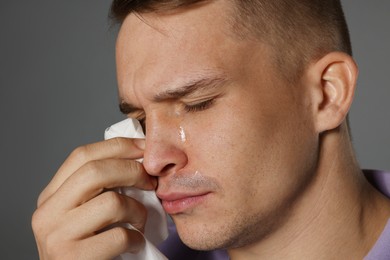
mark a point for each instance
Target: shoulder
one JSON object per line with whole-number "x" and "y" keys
{"x": 380, "y": 180}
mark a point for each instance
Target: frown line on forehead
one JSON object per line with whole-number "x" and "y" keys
{"x": 189, "y": 88}
{"x": 180, "y": 89}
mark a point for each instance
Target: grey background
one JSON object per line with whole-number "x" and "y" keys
{"x": 58, "y": 90}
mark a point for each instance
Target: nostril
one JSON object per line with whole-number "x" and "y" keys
{"x": 168, "y": 167}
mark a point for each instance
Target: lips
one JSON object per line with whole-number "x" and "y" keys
{"x": 176, "y": 203}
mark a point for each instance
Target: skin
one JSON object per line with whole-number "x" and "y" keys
{"x": 251, "y": 101}
{"x": 73, "y": 209}
{"x": 263, "y": 168}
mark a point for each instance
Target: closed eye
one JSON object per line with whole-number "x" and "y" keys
{"x": 199, "y": 106}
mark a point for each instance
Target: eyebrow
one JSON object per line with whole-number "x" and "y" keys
{"x": 177, "y": 93}
{"x": 189, "y": 88}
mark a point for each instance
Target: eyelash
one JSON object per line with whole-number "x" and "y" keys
{"x": 199, "y": 107}
{"x": 188, "y": 108}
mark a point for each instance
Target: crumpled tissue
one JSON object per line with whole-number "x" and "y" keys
{"x": 156, "y": 228}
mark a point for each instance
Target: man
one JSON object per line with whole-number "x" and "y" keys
{"x": 244, "y": 105}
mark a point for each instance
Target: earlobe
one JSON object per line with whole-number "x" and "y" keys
{"x": 335, "y": 78}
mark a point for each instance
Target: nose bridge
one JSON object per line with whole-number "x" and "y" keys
{"x": 163, "y": 150}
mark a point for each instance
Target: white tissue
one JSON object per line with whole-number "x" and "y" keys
{"x": 156, "y": 228}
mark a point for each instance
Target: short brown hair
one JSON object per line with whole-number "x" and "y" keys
{"x": 299, "y": 31}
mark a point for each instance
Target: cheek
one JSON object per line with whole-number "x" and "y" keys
{"x": 214, "y": 134}
{"x": 217, "y": 144}
{"x": 253, "y": 140}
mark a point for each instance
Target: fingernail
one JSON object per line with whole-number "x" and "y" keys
{"x": 140, "y": 143}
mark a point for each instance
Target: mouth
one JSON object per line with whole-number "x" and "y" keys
{"x": 176, "y": 203}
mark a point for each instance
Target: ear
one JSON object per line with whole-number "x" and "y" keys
{"x": 332, "y": 83}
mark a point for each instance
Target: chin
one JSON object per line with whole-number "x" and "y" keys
{"x": 228, "y": 233}
{"x": 206, "y": 236}
{"x": 199, "y": 235}
{"x": 202, "y": 242}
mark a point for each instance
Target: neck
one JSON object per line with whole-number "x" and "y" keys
{"x": 339, "y": 215}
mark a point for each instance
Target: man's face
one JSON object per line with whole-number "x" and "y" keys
{"x": 231, "y": 142}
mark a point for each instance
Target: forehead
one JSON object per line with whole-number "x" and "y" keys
{"x": 155, "y": 50}
{"x": 176, "y": 25}
{"x": 162, "y": 44}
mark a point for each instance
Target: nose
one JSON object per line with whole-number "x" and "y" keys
{"x": 164, "y": 152}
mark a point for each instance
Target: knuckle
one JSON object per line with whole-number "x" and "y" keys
{"x": 91, "y": 170}
{"x": 134, "y": 167}
{"x": 121, "y": 237}
{"x": 80, "y": 153}
{"x": 37, "y": 222}
{"x": 49, "y": 242}
{"x": 141, "y": 220}
{"x": 117, "y": 143}
{"x": 92, "y": 167}
{"x": 114, "y": 201}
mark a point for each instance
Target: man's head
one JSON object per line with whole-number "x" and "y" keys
{"x": 299, "y": 31}
{"x": 235, "y": 142}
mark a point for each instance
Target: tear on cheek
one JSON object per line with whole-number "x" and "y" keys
{"x": 182, "y": 134}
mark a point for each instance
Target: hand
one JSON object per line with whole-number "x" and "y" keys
{"x": 77, "y": 209}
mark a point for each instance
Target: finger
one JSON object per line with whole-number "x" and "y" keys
{"x": 112, "y": 148}
{"x": 97, "y": 176}
{"x": 102, "y": 211}
{"x": 111, "y": 243}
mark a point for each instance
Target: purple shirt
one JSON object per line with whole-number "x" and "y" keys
{"x": 174, "y": 248}
{"x": 381, "y": 249}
